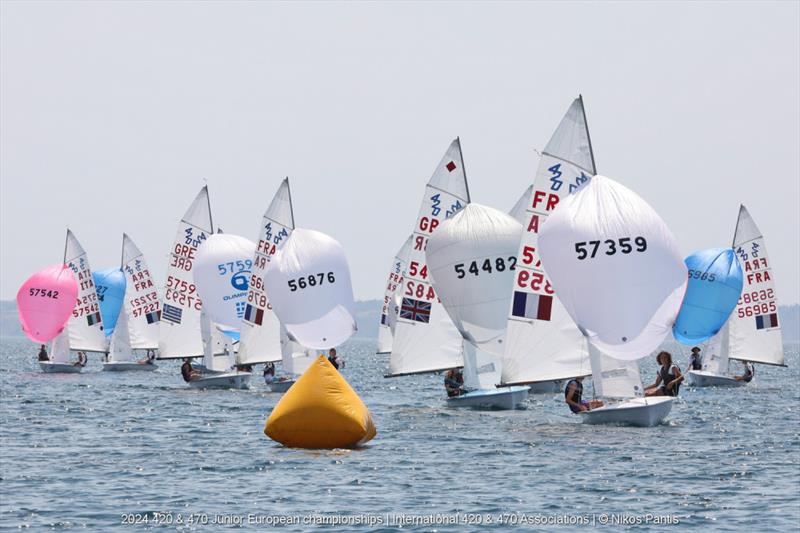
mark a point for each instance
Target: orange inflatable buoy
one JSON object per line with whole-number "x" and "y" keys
{"x": 321, "y": 410}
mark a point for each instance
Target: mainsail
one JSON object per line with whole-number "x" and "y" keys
{"x": 179, "y": 334}
{"x": 260, "y": 329}
{"x": 755, "y": 333}
{"x": 390, "y": 308}
{"x": 542, "y": 341}
{"x": 142, "y": 304}
{"x": 425, "y": 339}
{"x": 86, "y": 325}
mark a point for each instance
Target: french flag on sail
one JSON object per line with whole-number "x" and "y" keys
{"x": 767, "y": 321}
{"x": 254, "y": 315}
{"x": 93, "y": 319}
{"x": 153, "y": 317}
{"x": 527, "y": 305}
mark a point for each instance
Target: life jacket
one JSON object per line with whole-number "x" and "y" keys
{"x": 186, "y": 372}
{"x": 668, "y": 375}
{"x": 578, "y": 394}
{"x": 749, "y": 372}
{"x": 332, "y": 360}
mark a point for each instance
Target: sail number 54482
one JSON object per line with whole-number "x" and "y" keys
{"x": 589, "y": 249}
{"x": 311, "y": 280}
{"x": 488, "y": 266}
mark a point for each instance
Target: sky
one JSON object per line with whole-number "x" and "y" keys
{"x": 114, "y": 114}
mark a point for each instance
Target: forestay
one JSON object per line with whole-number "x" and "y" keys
{"x": 308, "y": 281}
{"x": 142, "y": 303}
{"x": 715, "y": 284}
{"x": 755, "y": 332}
{"x": 179, "y": 334}
{"x": 260, "y": 328}
{"x": 86, "y": 325}
{"x": 389, "y": 308}
{"x": 221, "y": 274}
{"x": 110, "y": 287}
{"x": 45, "y": 302}
{"x": 542, "y": 341}
{"x": 425, "y": 339}
{"x": 616, "y": 267}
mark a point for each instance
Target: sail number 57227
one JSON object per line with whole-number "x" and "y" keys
{"x": 311, "y": 280}
{"x": 611, "y": 246}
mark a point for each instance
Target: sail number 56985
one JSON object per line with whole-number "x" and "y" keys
{"x": 311, "y": 280}
{"x": 584, "y": 248}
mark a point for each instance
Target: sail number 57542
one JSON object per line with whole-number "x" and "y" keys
{"x": 589, "y": 249}
{"x": 311, "y": 280}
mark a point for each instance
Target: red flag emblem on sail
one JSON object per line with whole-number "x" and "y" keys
{"x": 451, "y": 166}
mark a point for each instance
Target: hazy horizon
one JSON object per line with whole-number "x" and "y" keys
{"x": 114, "y": 115}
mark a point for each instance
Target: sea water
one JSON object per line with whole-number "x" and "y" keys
{"x": 107, "y": 451}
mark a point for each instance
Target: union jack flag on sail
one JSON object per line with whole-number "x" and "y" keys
{"x": 415, "y": 310}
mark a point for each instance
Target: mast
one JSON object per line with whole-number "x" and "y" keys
{"x": 66, "y": 240}
{"x": 122, "y": 253}
{"x": 589, "y": 137}
{"x": 461, "y": 155}
{"x": 291, "y": 207}
{"x": 735, "y": 231}
{"x": 210, "y": 218}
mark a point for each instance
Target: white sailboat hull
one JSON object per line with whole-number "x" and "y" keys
{"x": 59, "y": 368}
{"x": 704, "y": 378}
{"x": 119, "y": 366}
{"x": 280, "y": 386}
{"x": 223, "y": 380}
{"x": 645, "y": 412}
{"x": 499, "y": 398}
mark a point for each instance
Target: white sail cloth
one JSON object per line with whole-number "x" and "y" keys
{"x": 308, "y": 281}
{"x": 59, "y": 347}
{"x": 179, "y": 334}
{"x": 142, "y": 304}
{"x": 716, "y": 355}
{"x": 260, "y": 339}
{"x": 542, "y": 341}
{"x": 615, "y": 266}
{"x": 390, "y": 308}
{"x": 120, "y": 347}
{"x": 614, "y": 378}
{"x": 755, "y": 332}
{"x": 85, "y": 325}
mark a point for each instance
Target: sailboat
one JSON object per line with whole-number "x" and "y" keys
{"x": 136, "y": 326}
{"x": 752, "y": 332}
{"x": 185, "y": 330}
{"x": 390, "y": 306}
{"x": 84, "y": 330}
{"x": 543, "y": 346}
{"x": 617, "y": 269}
{"x": 425, "y": 339}
{"x": 471, "y": 261}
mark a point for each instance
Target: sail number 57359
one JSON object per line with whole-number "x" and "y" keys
{"x": 612, "y": 246}
{"x": 311, "y": 280}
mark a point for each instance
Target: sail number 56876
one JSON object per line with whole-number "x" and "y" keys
{"x": 311, "y": 280}
{"x": 589, "y": 249}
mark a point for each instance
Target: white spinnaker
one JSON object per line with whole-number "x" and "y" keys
{"x": 616, "y": 267}
{"x": 471, "y": 260}
{"x": 295, "y": 359}
{"x": 715, "y": 358}
{"x": 520, "y": 210}
{"x": 120, "y": 348}
{"x": 614, "y": 378}
{"x": 542, "y": 341}
{"x": 425, "y": 339}
{"x": 389, "y": 309}
{"x": 85, "y": 325}
{"x": 260, "y": 340}
{"x": 309, "y": 284}
{"x": 59, "y": 346}
{"x": 142, "y": 304}
{"x": 755, "y": 331}
{"x": 179, "y": 334}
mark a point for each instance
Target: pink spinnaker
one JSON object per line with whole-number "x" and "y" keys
{"x": 45, "y": 302}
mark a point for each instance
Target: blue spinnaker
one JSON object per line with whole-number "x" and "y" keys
{"x": 110, "y": 285}
{"x": 715, "y": 284}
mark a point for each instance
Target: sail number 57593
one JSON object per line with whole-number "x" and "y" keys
{"x": 311, "y": 280}
{"x": 612, "y": 246}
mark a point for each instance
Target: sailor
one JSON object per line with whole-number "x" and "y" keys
{"x": 43, "y": 354}
{"x": 188, "y": 373}
{"x": 695, "y": 360}
{"x": 81, "y": 359}
{"x": 573, "y": 394}
{"x": 668, "y": 379}
{"x": 269, "y": 373}
{"x": 148, "y": 359}
{"x": 749, "y": 372}
{"x": 454, "y": 382}
{"x": 334, "y": 359}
